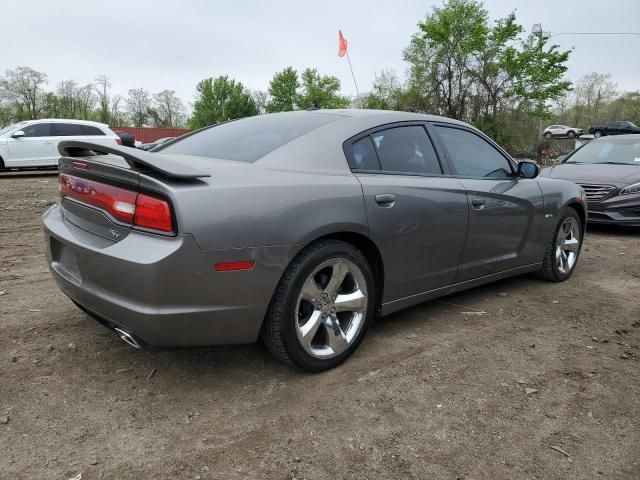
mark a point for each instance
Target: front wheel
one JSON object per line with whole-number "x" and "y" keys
{"x": 548, "y": 136}
{"x": 563, "y": 251}
{"x": 322, "y": 307}
{"x": 571, "y": 134}
{"x": 597, "y": 134}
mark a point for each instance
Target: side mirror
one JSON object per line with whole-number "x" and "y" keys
{"x": 18, "y": 134}
{"x": 528, "y": 170}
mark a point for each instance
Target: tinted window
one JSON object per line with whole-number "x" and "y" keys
{"x": 37, "y": 130}
{"x": 363, "y": 155}
{"x": 472, "y": 156}
{"x": 89, "y": 130}
{"x": 67, "y": 130}
{"x": 249, "y": 139}
{"x": 406, "y": 149}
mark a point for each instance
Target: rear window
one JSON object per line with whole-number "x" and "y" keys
{"x": 90, "y": 130}
{"x": 249, "y": 139}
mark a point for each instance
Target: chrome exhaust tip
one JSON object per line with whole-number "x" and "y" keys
{"x": 126, "y": 337}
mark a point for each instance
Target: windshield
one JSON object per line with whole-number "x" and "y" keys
{"x": 11, "y": 127}
{"x": 615, "y": 151}
{"x": 249, "y": 139}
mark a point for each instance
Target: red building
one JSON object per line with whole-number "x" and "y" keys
{"x": 150, "y": 135}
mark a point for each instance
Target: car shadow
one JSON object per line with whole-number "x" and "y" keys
{"x": 616, "y": 230}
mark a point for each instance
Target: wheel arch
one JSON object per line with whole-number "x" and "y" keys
{"x": 582, "y": 213}
{"x": 357, "y": 238}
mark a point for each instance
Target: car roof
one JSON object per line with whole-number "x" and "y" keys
{"x": 67, "y": 120}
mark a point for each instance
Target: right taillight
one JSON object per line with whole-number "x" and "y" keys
{"x": 119, "y": 141}
{"x": 153, "y": 213}
{"x": 137, "y": 209}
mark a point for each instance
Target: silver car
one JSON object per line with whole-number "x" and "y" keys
{"x": 561, "y": 131}
{"x": 299, "y": 228}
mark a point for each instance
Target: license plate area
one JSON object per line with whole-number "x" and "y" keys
{"x": 64, "y": 261}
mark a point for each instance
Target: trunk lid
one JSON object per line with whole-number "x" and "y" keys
{"x": 107, "y": 190}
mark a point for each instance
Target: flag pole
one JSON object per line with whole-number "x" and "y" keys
{"x": 353, "y": 76}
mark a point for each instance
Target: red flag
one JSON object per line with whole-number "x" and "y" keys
{"x": 342, "y": 44}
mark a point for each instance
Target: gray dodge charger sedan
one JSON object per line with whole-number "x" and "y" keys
{"x": 299, "y": 228}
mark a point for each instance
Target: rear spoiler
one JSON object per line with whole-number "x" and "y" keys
{"x": 135, "y": 158}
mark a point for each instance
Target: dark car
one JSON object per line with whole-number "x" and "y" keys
{"x": 300, "y": 228}
{"x": 160, "y": 141}
{"x": 127, "y": 139}
{"x": 613, "y": 128}
{"x": 608, "y": 169}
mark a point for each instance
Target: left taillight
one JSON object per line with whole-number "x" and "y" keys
{"x": 137, "y": 209}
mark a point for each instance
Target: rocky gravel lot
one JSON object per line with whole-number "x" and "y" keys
{"x": 545, "y": 384}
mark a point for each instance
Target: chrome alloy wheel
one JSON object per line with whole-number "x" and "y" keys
{"x": 567, "y": 245}
{"x": 331, "y": 308}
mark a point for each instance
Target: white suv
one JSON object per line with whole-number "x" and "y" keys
{"x": 34, "y": 143}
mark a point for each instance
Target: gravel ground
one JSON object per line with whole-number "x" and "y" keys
{"x": 545, "y": 385}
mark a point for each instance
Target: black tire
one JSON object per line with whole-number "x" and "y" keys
{"x": 550, "y": 270}
{"x": 548, "y": 136}
{"x": 1, "y": 165}
{"x": 571, "y": 134}
{"x": 279, "y": 330}
{"x": 598, "y": 133}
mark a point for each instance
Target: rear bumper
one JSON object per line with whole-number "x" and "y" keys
{"x": 163, "y": 291}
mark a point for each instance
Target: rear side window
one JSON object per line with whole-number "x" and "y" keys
{"x": 472, "y": 156}
{"x": 406, "y": 149}
{"x": 249, "y": 139}
{"x": 90, "y": 130}
{"x": 67, "y": 130}
{"x": 37, "y": 130}
{"x": 363, "y": 155}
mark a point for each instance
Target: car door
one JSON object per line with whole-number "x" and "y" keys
{"x": 34, "y": 149}
{"x": 417, "y": 216}
{"x": 505, "y": 212}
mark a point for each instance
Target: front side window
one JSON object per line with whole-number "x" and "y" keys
{"x": 37, "y": 130}
{"x": 472, "y": 156}
{"x": 406, "y": 150}
{"x": 67, "y": 130}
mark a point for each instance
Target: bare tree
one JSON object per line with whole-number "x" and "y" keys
{"x": 138, "y": 105}
{"x": 261, "y": 98}
{"x": 24, "y": 88}
{"x": 115, "y": 114}
{"x": 66, "y": 95}
{"x": 102, "y": 86}
{"x": 168, "y": 110}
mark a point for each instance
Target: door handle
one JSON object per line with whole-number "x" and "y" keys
{"x": 386, "y": 200}
{"x": 477, "y": 203}
{"x": 47, "y": 143}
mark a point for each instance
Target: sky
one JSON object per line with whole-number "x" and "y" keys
{"x": 173, "y": 45}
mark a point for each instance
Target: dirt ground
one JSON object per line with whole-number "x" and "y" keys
{"x": 433, "y": 392}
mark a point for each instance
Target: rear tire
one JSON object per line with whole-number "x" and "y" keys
{"x": 548, "y": 136}
{"x": 597, "y": 133}
{"x": 2, "y": 169}
{"x": 571, "y": 134}
{"x": 322, "y": 307}
{"x": 563, "y": 250}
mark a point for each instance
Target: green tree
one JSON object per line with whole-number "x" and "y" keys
{"x": 283, "y": 91}
{"x": 219, "y": 100}
{"x": 318, "y": 91}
